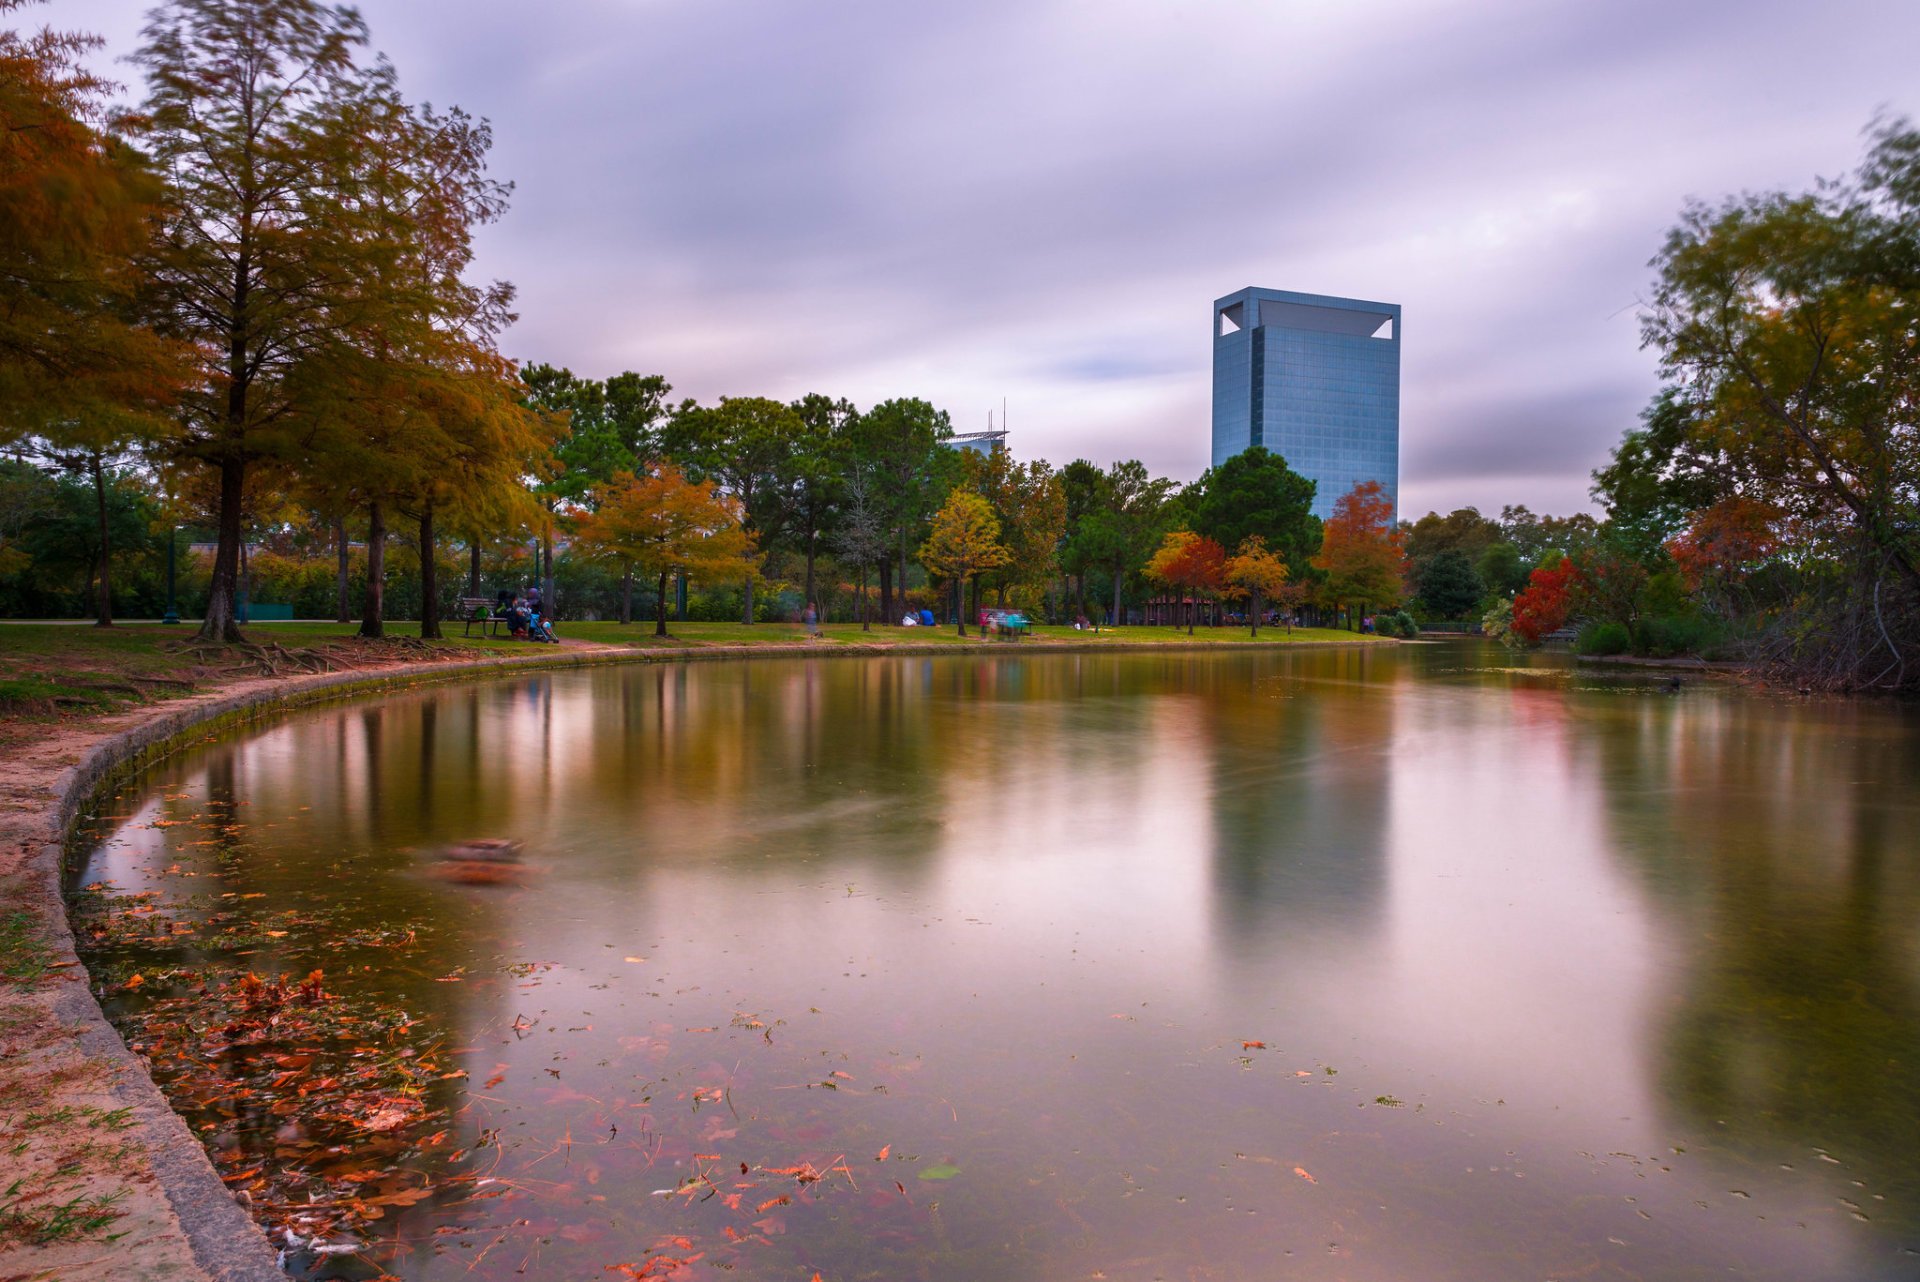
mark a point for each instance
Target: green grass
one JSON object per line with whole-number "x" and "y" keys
{"x": 24, "y": 956}
{"x": 75, "y": 1220}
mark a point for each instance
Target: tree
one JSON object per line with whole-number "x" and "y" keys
{"x": 899, "y": 442}
{"x": 1543, "y": 608}
{"x": 1785, "y": 322}
{"x": 1361, "y": 550}
{"x": 965, "y": 541}
{"x": 862, "y": 533}
{"x": 746, "y": 444}
{"x": 1449, "y": 585}
{"x": 1031, "y": 506}
{"x": 77, "y": 208}
{"x": 1257, "y": 572}
{"x": 249, "y": 113}
{"x": 1191, "y": 564}
{"x": 1086, "y": 491}
{"x": 1255, "y": 493}
{"x": 1501, "y": 569}
{"x": 814, "y": 474}
{"x": 1121, "y": 533}
{"x": 663, "y": 524}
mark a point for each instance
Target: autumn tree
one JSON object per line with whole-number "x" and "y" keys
{"x": 250, "y": 115}
{"x": 1031, "y": 506}
{"x": 965, "y": 541}
{"x": 1257, "y": 572}
{"x": 78, "y": 373}
{"x": 1361, "y": 551}
{"x": 1542, "y": 609}
{"x": 662, "y": 524}
{"x": 1785, "y": 325}
{"x": 1192, "y": 565}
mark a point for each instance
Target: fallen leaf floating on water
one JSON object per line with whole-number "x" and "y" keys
{"x": 881, "y": 1156}
{"x": 940, "y": 1171}
{"x": 1301, "y": 1171}
{"x": 1253, "y": 1046}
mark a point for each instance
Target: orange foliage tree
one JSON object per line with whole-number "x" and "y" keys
{"x": 1362, "y": 552}
{"x": 1723, "y": 544}
{"x": 660, "y": 523}
{"x": 1191, "y": 564}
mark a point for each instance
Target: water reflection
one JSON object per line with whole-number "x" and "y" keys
{"x": 1340, "y": 964}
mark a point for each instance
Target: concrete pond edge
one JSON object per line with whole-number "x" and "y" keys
{"x": 224, "y": 1241}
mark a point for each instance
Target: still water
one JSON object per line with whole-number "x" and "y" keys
{"x": 1332, "y": 964}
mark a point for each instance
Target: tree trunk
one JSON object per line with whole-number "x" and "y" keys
{"x": 549, "y": 608}
{"x": 810, "y": 538}
{"x": 343, "y": 606}
{"x": 960, "y": 595}
{"x": 1193, "y": 608}
{"x": 1253, "y": 616}
{"x": 1118, "y": 578}
{"x": 373, "y": 602}
{"x": 103, "y": 602}
{"x": 626, "y": 596}
{"x": 660, "y": 609}
{"x": 866, "y": 607}
{"x": 903, "y": 569}
{"x": 887, "y": 615}
{"x": 746, "y": 607}
{"x": 219, "y": 625}
{"x": 429, "y": 578}
{"x": 473, "y": 567}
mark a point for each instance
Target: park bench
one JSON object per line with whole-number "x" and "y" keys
{"x": 480, "y": 610}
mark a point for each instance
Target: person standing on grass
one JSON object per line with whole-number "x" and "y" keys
{"x": 812, "y": 619}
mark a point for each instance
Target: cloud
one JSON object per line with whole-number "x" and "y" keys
{"x": 1039, "y": 200}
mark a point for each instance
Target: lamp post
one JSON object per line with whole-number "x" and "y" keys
{"x": 172, "y": 615}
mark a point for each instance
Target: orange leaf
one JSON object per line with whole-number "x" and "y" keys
{"x": 1253, "y": 1046}
{"x": 1301, "y": 1171}
{"x": 881, "y": 1156}
{"x": 772, "y": 1202}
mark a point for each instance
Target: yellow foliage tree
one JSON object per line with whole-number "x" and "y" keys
{"x": 965, "y": 541}
{"x": 661, "y": 524}
{"x": 1256, "y": 571}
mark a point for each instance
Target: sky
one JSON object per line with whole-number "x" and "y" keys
{"x": 1036, "y": 202}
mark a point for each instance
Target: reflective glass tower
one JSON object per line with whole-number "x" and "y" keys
{"x": 1316, "y": 380}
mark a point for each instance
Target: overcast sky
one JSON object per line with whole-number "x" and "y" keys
{"x": 1038, "y": 200}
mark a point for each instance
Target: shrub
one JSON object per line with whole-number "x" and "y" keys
{"x": 1397, "y": 624}
{"x": 1679, "y": 634}
{"x": 1605, "y": 637}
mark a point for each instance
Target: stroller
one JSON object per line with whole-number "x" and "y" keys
{"x": 538, "y": 629}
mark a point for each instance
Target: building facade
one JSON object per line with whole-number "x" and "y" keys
{"x": 1316, "y": 380}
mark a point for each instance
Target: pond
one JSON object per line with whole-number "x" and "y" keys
{"x": 1338, "y": 964}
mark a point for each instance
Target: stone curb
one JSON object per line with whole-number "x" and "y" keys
{"x": 224, "y": 1240}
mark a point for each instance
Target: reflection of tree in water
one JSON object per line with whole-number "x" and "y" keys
{"x": 1299, "y": 792}
{"x": 1781, "y": 842}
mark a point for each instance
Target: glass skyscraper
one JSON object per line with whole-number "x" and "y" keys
{"x": 1314, "y": 379}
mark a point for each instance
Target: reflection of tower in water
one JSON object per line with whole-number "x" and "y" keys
{"x": 1300, "y": 795}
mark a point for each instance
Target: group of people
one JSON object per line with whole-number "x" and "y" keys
{"x": 525, "y": 622}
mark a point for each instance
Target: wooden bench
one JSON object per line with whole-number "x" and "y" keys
{"x": 481, "y": 610}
